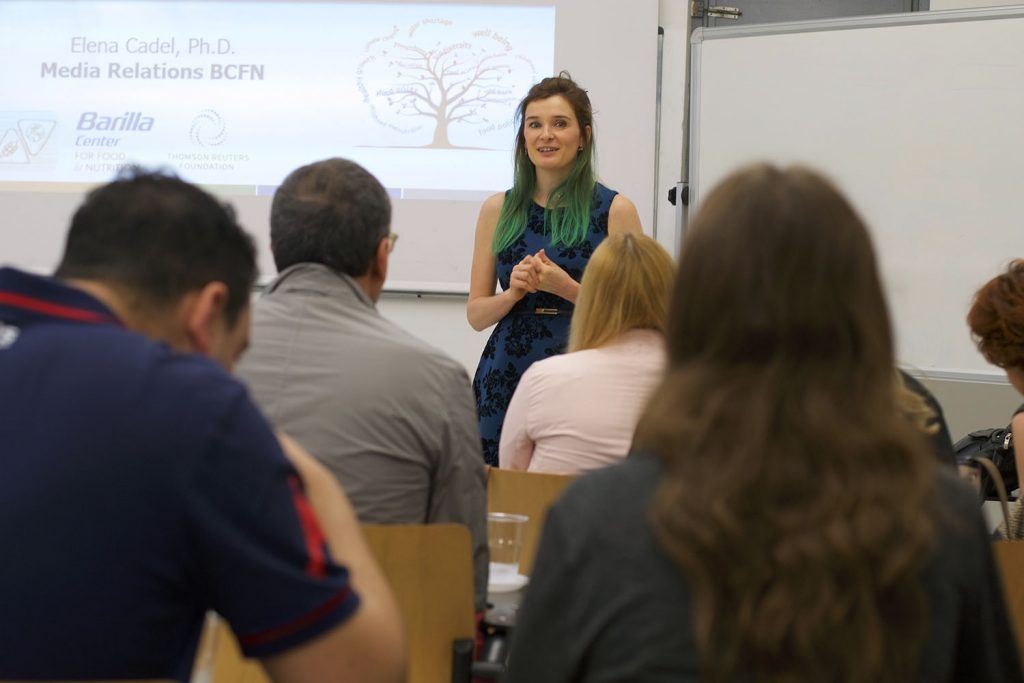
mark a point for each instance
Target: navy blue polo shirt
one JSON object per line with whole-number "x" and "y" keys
{"x": 140, "y": 487}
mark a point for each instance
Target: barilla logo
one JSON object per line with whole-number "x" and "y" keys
{"x": 128, "y": 121}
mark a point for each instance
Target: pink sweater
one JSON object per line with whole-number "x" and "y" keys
{"x": 578, "y": 411}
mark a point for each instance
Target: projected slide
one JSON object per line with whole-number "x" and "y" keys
{"x": 237, "y": 94}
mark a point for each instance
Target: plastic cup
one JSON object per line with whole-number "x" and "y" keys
{"x": 505, "y": 539}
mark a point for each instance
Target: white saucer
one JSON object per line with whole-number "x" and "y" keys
{"x": 508, "y": 584}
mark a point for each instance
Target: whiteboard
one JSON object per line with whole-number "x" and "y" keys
{"x": 919, "y": 118}
{"x": 234, "y": 94}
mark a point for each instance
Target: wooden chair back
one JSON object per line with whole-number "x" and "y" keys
{"x": 525, "y": 493}
{"x": 430, "y": 570}
{"x": 219, "y": 658}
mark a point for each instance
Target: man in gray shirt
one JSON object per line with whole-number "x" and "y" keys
{"x": 391, "y": 417}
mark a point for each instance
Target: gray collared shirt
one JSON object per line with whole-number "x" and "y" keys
{"x": 390, "y": 416}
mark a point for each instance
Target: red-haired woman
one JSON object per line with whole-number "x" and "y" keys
{"x": 996, "y": 320}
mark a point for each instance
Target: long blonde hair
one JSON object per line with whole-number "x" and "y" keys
{"x": 626, "y": 286}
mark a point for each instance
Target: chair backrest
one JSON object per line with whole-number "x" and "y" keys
{"x": 430, "y": 570}
{"x": 525, "y": 493}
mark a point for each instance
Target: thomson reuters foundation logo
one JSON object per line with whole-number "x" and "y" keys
{"x": 208, "y": 129}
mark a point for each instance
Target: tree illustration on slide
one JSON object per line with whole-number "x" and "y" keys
{"x": 434, "y": 74}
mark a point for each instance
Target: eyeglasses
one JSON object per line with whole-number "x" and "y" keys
{"x": 392, "y": 238}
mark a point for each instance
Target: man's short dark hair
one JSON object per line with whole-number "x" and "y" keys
{"x": 333, "y": 212}
{"x": 159, "y": 237}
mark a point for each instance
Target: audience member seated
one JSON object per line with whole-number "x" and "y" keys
{"x": 924, "y": 411}
{"x": 996, "y": 320}
{"x": 392, "y": 418}
{"x": 142, "y": 487}
{"x": 578, "y": 411}
{"x": 780, "y": 519}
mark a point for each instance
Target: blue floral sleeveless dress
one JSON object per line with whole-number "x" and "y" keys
{"x": 537, "y": 326}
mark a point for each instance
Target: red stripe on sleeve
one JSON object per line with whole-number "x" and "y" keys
{"x": 311, "y": 532}
{"x": 295, "y": 625}
{"x": 55, "y": 310}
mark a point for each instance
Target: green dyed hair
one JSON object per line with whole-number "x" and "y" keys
{"x": 567, "y": 216}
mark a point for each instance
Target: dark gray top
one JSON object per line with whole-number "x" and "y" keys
{"x": 393, "y": 418}
{"x": 941, "y": 441}
{"x": 605, "y": 603}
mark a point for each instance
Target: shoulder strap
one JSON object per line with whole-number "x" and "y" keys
{"x": 997, "y": 478}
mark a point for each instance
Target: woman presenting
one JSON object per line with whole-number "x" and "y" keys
{"x": 535, "y": 240}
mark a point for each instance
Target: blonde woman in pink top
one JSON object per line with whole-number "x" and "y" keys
{"x": 578, "y": 411}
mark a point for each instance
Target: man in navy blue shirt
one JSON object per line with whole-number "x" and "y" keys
{"x": 140, "y": 485}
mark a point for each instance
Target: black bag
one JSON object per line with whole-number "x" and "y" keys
{"x": 996, "y": 445}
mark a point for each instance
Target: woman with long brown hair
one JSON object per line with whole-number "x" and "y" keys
{"x": 780, "y": 519}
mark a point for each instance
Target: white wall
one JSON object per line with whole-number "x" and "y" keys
{"x": 440, "y": 321}
{"x": 673, "y": 17}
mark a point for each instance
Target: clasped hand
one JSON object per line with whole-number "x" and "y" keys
{"x": 538, "y": 273}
